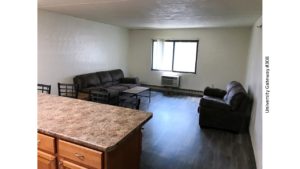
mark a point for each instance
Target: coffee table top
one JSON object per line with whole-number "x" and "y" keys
{"x": 136, "y": 90}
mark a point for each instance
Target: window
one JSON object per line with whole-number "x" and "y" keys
{"x": 175, "y": 55}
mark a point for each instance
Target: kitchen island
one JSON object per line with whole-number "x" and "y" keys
{"x": 78, "y": 128}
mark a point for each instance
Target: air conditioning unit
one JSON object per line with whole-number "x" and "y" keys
{"x": 170, "y": 81}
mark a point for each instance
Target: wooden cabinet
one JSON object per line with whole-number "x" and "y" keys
{"x": 67, "y": 155}
{"x": 46, "y": 153}
{"x": 54, "y": 153}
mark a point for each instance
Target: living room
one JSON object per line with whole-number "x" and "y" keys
{"x": 69, "y": 46}
{"x": 118, "y": 47}
{"x": 79, "y": 46}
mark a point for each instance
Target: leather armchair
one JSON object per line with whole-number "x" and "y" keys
{"x": 225, "y": 109}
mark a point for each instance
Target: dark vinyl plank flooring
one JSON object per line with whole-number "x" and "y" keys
{"x": 172, "y": 139}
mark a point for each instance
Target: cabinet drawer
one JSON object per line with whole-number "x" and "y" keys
{"x": 69, "y": 165}
{"x": 80, "y": 154}
{"x": 46, "y": 143}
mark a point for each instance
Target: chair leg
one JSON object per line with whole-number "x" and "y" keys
{"x": 138, "y": 104}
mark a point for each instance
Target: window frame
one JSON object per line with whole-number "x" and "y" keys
{"x": 173, "y": 53}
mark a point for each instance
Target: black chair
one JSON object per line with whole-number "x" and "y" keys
{"x": 229, "y": 110}
{"x": 44, "y": 88}
{"x": 103, "y": 96}
{"x": 68, "y": 90}
{"x": 129, "y": 102}
{"x": 99, "y": 96}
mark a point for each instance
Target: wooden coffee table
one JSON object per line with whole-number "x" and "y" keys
{"x": 137, "y": 92}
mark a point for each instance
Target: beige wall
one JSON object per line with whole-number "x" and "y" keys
{"x": 254, "y": 86}
{"x": 68, "y": 46}
{"x": 222, "y": 55}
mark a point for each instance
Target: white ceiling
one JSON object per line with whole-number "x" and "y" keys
{"x": 161, "y": 13}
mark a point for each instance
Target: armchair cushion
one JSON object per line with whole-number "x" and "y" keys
{"x": 214, "y": 92}
{"x": 235, "y": 97}
{"x": 230, "y": 86}
{"x": 210, "y": 102}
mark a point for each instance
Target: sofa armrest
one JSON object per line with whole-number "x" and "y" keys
{"x": 214, "y": 104}
{"x": 131, "y": 80}
{"x": 214, "y": 92}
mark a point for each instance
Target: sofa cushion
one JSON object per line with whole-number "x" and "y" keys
{"x": 118, "y": 88}
{"x": 92, "y": 80}
{"x": 107, "y": 84}
{"x": 128, "y": 85}
{"x": 116, "y": 74}
{"x": 87, "y": 90}
{"x": 112, "y": 92}
{"x": 115, "y": 82}
{"x": 132, "y": 80}
{"x": 104, "y": 77}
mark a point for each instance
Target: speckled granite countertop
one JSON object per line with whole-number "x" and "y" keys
{"x": 93, "y": 125}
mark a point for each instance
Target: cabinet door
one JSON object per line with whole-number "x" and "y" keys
{"x": 63, "y": 164}
{"x": 46, "y": 161}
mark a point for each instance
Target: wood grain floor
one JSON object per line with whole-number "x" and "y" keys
{"x": 172, "y": 139}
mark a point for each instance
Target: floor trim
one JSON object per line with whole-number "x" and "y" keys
{"x": 172, "y": 90}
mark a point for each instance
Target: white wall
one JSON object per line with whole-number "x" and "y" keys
{"x": 222, "y": 55}
{"x": 254, "y": 86}
{"x": 69, "y": 46}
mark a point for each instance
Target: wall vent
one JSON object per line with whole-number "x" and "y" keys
{"x": 170, "y": 81}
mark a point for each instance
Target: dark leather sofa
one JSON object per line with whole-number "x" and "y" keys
{"x": 229, "y": 110}
{"x": 112, "y": 81}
